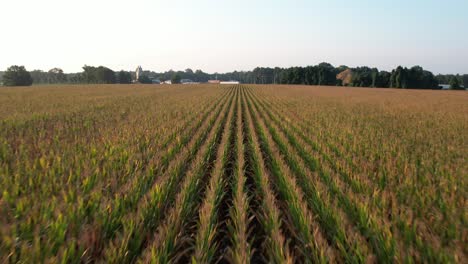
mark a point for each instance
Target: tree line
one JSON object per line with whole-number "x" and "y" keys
{"x": 325, "y": 74}
{"x": 322, "y": 74}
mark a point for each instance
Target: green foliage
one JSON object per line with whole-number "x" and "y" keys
{"x": 364, "y": 77}
{"x": 446, "y": 78}
{"x": 326, "y": 74}
{"x": 175, "y": 79}
{"x": 465, "y": 80}
{"x": 414, "y": 78}
{"x": 322, "y": 74}
{"x": 144, "y": 79}
{"x": 383, "y": 79}
{"x": 17, "y": 76}
{"x": 56, "y": 75}
{"x": 99, "y": 74}
{"x": 455, "y": 84}
{"x": 124, "y": 77}
{"x": 367, "y": 77}
{"x": 53, "y": 76}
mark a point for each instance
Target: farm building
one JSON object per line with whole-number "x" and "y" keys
{"x": 214, "y": 81}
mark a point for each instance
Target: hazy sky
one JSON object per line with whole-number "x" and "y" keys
{"x": 228, "y": 35}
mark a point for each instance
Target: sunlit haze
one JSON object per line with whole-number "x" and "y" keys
{"x": 221, "y": 36}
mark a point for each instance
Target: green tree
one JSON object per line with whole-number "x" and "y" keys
{"x": 56, "y": 75}
{"x": 88, "y": 74}
{"x": 105, "y": 75}
{"x": 175, "y": 79}
{"x": 443, "y": 78}
{"x": 455, "y": 84}
{"x": 17, "y": 76}
{"x": 364, "y": 77}
{"x": 465, "y": 80}
{"x": 99, "y": 74}
{"x": 124, "y": 77}
{"x": 384, "y": 79}
{"x": 374, "y": 74}
{"x": 326, "y": 74}
{"x": 399, "y": 78}
{"x": 144, "y": 79}
{"x": 39, "y": 76}
{"x": 311, "y": 75}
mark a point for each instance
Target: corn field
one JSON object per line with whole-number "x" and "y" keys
{"x": 237, "y": 174}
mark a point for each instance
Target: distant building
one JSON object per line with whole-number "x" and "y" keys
{"x": 185, "y": 81}
{"x": 167, "y": 82}
{"x": 229, "y": 82}
{"x": 155, "y": 81}
{"x": 447, "y": 86}
{"x": 138, "y": 73}
{"x": 214, "y": 81}
{"x": 188, "y": 81}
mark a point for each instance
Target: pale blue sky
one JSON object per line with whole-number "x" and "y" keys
{"x": 234, "y": 35}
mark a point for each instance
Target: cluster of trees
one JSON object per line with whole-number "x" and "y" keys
{"x": 446, "y": 78}
{"x": 19, "y": 76}
{"x": 453, "y": 80}
{"x": 369, "y": 77}
{"x": 415, "y": 77}
{"x": 176, "y": 76}
{"x": 326, "y": 74}
{"x": 16, "y": 76}
{"x": 200, "y": 76}
{"x": 105, "y": 75}
{"x": 99, "y": 74}
{"x": 175, "y": 79}
{"x": 124, "y": 77}
{"x": 55, "y": 75}
{"x": 321, "y": 74}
